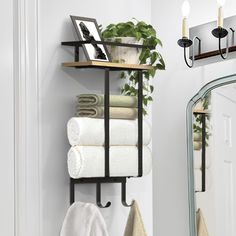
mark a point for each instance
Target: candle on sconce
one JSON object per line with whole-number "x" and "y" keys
{"x": 220, "y": 21}
{"x": 185, "y": 13}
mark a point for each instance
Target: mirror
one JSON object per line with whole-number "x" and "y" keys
{"x": 211, "y": 118}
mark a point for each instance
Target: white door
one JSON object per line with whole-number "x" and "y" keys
{"x": 224, "y": 133}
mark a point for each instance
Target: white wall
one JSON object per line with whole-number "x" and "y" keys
{"x": 174, "y": 88}
{"x": 57, "y": 90}
{"x": 6, "y": 120}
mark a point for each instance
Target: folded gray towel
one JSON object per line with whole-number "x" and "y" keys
{"x": 115, "y": 112}
{"x": 115, "y": 100}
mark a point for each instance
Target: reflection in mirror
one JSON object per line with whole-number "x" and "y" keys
{"x": 214, "y": 133}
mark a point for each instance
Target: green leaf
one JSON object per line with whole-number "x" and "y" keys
{"x": 145, "y": 101}
{"x": 122, "y": 75}
{"x": 160, "y": 66}
{"x": 152, "y": 72}
{"x": 154, "y": 57}
{"x": 151, "y": 88}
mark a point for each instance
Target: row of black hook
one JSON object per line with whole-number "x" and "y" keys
{"x": 123, "y": 196}
{"x": 98, "y": 182}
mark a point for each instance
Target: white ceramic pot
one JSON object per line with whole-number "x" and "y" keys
{"x": 125, "y": 54}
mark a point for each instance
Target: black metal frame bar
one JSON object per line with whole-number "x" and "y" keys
{"x": 80, "y": 43}
{"x": 107, "y": 122}
{"x": 108, "y": 178}
{"x": 203, "y": 152}
{"x": 203, "y": 157}
{"x": 140, "y": 123}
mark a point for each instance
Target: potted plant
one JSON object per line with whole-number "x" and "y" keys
{"x": 135, "y": 32}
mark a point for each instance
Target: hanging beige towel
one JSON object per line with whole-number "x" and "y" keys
{"x": 135, "y": 226}
{"x": 115, "y": 112}
{"x": 115, "y": 100}
{"x": 201, "y": 224}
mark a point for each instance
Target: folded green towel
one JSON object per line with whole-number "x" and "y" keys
{"x": 115, "y": 100}
{"x": 197, "y": 145}
{"x": 197, "y": 136}
{"x": 115, "y": 112}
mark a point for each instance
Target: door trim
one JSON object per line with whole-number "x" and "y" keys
{"x": 27, "y": 175}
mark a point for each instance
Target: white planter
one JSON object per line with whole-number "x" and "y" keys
{"x": 125, "y": 54}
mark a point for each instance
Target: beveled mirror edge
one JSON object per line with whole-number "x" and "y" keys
{"x": 190, "y": 153}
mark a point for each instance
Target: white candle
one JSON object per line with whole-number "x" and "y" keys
{"x": 185, "y": 29}
{"x": 220, "y": 20}
{"x": 185, "y": 13}
{"x": 220, "y": 17}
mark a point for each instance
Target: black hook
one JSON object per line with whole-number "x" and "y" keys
{"x": 185, "y": 59}
{"x": 99, "y": 197}
{"x": 220, "y": 50}
{"x": 123, "y": 195}
{"x": 221, "y": 33}
{"x": 193, "y": 56}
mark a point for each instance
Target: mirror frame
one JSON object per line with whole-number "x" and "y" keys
{"x": 190, "y": 152}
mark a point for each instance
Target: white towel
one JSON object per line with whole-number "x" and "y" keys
{"x": 198, "y": 159}
{"x": 88, "y": 161}
{"x": 198, "y": 179}
{"x": 83, "y": 219}
{"x": 90, "y": 132}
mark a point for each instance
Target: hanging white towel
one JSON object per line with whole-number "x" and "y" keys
{"x": 83, "y": 219}
{"x": 90, "y": 132}
{"x": 88, "y": 161}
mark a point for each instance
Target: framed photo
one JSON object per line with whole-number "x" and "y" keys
{"x": 87, "y": 29}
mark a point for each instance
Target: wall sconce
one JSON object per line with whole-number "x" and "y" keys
{"x": 220, "y": 32}
{"x": 185, "y": 42}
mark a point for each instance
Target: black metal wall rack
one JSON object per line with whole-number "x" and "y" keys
{"x": 204, "y": 115}
{"x": 108, "y": 67}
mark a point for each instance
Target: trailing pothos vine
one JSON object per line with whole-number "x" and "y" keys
{"x": 197, "y": 125}
{"x": 139, "y": 30}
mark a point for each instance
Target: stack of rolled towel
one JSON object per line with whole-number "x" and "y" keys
{"x": 197, "y": 141}
{"x": 86, "y": 157}
{"x": 92, "y": 105}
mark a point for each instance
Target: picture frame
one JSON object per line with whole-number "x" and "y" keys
{"x": 87, "y": 30}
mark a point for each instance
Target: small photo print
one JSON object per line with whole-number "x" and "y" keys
{"x": 87, "y": 30}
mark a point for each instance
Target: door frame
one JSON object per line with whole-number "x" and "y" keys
{"x": 26, "y": 91}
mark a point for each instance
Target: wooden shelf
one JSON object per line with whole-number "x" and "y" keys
{"x": 110, "y": 65}
{"x": 199, "y": 111}
{"x": 212, "y": 53}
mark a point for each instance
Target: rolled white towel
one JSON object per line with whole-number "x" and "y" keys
{"x": 88, "y": 161}
{"x": 90, "y": 132}
{"x": 198, "y": 159}
{"x": 198, "y": 179}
